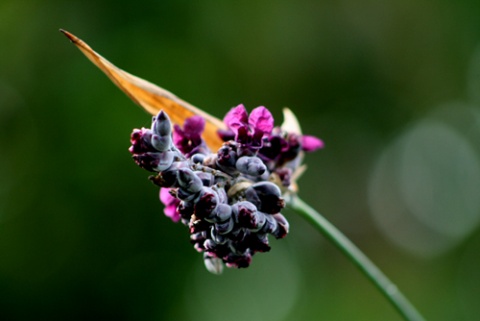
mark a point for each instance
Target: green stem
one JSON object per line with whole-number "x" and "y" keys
{"x": 383, "y": 284}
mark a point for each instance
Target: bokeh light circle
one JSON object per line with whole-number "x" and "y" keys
{"x": 424, "y": 188}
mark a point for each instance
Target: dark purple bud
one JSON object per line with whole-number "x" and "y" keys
{"x": 198, "y": 237}
{"x": 198, "y": 158}
{"x": 245, "y": 214}
{"x": 282, "y": 228}
{"x": 258, "y": 242}
{"x": 206, "y": 203}
{"x": 266, "y": 196}
{"x": 189, "y": 181}
{"x": 161, "y": 124}
{"x": 185, "y": 209}
{"x": 161, "y": 143}
{"x": 195, "y": 225}
{"x": 141, "y": 141}
{"x": 238, "y": 235}
{"x": 185, "y": 195}
{"x": 207, "y": 178}
{"x": 250, "y": 165}
{"x": 226, "y": 156}
{"x": 238, "y": 261}
{"x": 209, "y": 244}
{"x": 270, "y": 225}
{"x": 223, "y": 212}
{"x": 217, "y": 236}
{"x": 225, "y": 227}
{"x": 154, "y": 162}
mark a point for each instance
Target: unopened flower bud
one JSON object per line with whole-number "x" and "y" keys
{"x": 270, "y": 225}
{"x": 141, "y": 141}
{"x": 266, "y": 196}
{"x": 161, "y": 143}
{"x": 188, "y": 181}
{"x": 154, "y": 162}
{"x": 250, "y": 165}
{"x": 226, "y": 157}
{"x": 217, "y": 237}
{"x": 161, "y": 124}
{"x": 225, "y": 227}
{"x": 282, "y": 228}
{"x": 223, "y": 212}
{"x": 206, "y": 203}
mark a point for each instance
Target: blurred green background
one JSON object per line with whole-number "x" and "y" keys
{"x": 393, "y": 88}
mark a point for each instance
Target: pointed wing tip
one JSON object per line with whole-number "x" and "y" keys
{"x": 69, "y": 35}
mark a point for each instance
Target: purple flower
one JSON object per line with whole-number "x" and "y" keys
{"x": 311, "y": 143}
{"x": 248, "y": 130}
{"x": 170, "y": 203}
{"x": 189, "y": 140}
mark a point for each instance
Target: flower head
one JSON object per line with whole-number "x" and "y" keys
{"x": 230, "y": 200}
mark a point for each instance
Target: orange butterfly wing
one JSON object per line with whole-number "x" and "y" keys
{"x": 151, "y": 97}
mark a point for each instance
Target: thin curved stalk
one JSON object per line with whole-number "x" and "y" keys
{"x": 383, "y": 284}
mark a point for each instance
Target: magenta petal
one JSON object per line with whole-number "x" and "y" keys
{"x": 170, "y": 203}
{"x": 178, "y": 136}
{"x": 236, "y": 117}
{"x": 261, "y": 119}
{"x": 194, "y": 126}
{"x": 311, "y": 143}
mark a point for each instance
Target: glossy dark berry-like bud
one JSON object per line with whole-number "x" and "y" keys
{"x": 250, "y": 165}
{"x": 198, "y": 158}
{"x": 227, "y": 157}
{"x": 154, "y": 162}
{"x": 282, "y": 229}
{"x": 223, "y": 212}
{"x": 266, "y": 196}
{"x": 206, "y": 203}
{"x": 270, "y": 225}
{"x": 161, "y": 124}
{"x": 225, "y": 227}
{"x": 217, "y": 237}
{"x": 161, "y": 143}
{"x": 141, "y": 141}
{"x": 188, "y": 181}
{"x": 245, "y": 214}
{"x": 207, "y": 178}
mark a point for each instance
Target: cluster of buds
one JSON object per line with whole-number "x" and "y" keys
{"x": 231, "y": 199}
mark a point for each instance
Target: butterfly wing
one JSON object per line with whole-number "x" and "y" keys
{"x": 150, "y": 96}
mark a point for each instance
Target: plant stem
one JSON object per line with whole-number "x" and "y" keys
{"x": 383, "y": 284}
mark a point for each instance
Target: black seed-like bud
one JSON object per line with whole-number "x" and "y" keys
{"x": 266, "y": 196}
{"x": 161, "y": 143}
{"x": 226, "y": 157}
{"x": 154, "y": 162}
{"x": 188, "y": 181}
{"x": 250, "y": 165}
{"x": 244, "y": 213}
{"x": 207, "y": 178}
{"x": 270, "y": 225}
{"x": 141, "y": 141}
{"x": 217, "y": 236}
{"x": 223, "y": 212}
{"x": 161, "y": 124}
{"x": 225, "y": 227}
{"x": 259, "y": 243}
{"x": 198, "y": 158}
{"x": 282, "y": 228}
{"x": 206, "y": 203}
{"x": 185, "y": 209}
